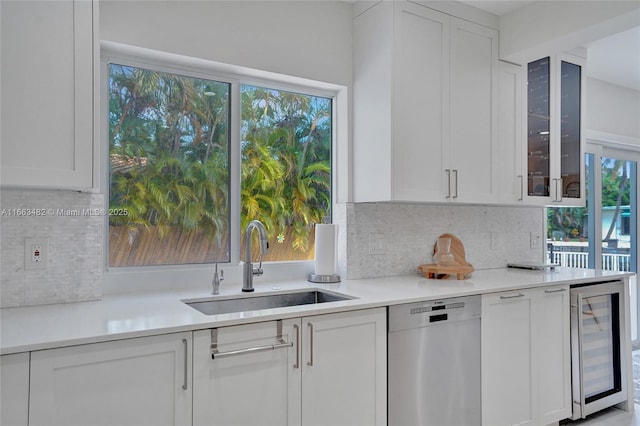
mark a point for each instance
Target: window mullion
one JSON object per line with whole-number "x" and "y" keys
{"x": 235, "y": 172}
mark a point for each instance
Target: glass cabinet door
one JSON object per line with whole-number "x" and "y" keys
{"x": 570, "y": 82}
{"x": 554, "y": 140}
{"x": 538, "y": 121}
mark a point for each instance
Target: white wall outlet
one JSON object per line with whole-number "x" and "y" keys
{"x": 36, "y": 253}
{"x": 494, "y": 240}
{"x": 535, "y": 240}
{"x": 377, "y": 244}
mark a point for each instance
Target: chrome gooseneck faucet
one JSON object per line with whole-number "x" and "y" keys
{"x": 248, "y": 271}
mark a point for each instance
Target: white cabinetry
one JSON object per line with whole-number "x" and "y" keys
{"x": 344, "y": 368}
{"x": 143, "y": 381}
{"x": 47, "y": 93}
{"x": 14, "y": 389}
{"x": 252, "y": 388}
{"x": 553, "y": 352}
{"x": 511, "y": 178}
{"x": 425, "y": 115}
{"x": 334, "y": 372}
{"x": 525, "y": 357}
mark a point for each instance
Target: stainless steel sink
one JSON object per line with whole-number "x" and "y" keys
{"x": 218, "y": 305}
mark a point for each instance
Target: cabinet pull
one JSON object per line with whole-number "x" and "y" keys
{"x": 215, "y": 353}
{"x": 310, "y": 363}
{"x": 185, "y": 383}
{"x": 560, "y": 192}
{"x": 448, "y": 183}
{"x": 455, "y": 173}
{"x": 515, "y": 296}
{"x": 297, "y": 364}
{"x": 559, "y": 290}
{"x": 558, "y": 195}
{"x": 521, "y": 187}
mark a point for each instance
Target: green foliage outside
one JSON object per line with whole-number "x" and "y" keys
{"x": 569, "y": 222}
{"x": 170, "y": 145}
{"x": 169, "y": 149}
{"x": 286, "y": 161}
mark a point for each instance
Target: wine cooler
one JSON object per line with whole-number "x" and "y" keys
{"x": 599, "y": 377}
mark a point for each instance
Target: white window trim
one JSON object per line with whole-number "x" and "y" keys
{"x": 196, "y": 276}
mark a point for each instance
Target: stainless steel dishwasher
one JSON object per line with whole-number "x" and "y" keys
{"x": 434, "y": 363}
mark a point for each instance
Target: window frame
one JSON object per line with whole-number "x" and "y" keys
{"x": 118, "y": 279}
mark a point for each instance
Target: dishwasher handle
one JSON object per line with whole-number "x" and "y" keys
{"x": 439, "y": 317}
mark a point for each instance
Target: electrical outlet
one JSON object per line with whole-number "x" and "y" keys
{"x": 36, "y": 253}
{"x": 535, "y": 240}
{"x": 493, "y": 237}
{"x": 376, "y": 244}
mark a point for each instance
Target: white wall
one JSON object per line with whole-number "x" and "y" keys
{"x": 310, "y": 39}
{"x": 545, "y": 27}
{"x": 612, "y": 109}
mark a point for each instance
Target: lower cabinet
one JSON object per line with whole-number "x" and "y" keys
{"x": 317, "y": 370}
{"x": 14, "y": 389}
{"x": 136, "y": 382}
{"x": 525, "y": 357}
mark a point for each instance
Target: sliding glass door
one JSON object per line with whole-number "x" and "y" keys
{"x": 604, "y": 234}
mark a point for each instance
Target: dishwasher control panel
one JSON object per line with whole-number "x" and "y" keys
{"x": 433, "y": 312}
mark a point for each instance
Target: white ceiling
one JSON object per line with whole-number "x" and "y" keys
{"x": 614, "y": 59}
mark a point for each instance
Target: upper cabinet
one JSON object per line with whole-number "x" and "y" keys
{"x": 47, "y": 121}
{"x": 554, "y": 158}
{"x": 425, "y": 106}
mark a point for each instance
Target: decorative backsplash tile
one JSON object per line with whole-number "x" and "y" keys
{"x": 74, "y": 225}
{"x": 407, "y": 233}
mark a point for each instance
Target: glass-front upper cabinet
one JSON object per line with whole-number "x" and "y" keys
{"x": 538, "y": 120}
{"x": 554, "y": 155}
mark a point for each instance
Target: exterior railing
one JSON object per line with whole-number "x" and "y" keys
{"x": 610, "y": 262}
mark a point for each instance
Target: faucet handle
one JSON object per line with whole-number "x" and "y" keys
{"x": 257, "y": 272}
{"x": 221, "y": 277}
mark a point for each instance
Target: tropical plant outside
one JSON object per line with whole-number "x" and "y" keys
{"x": 170, "y": 167}
{"x": 570, "y": 222}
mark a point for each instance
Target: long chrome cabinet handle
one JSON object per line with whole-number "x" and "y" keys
{"x": 581, "y": 351}
{"x": 560, "y": 192}
{"x": 512, "y": 297}
{"x": 310, "y": 363}
{"x": 521, "y": 187}
{"x": 448, "y": 183}
{"x": 559, "y": 290}
{"x": 185, "y": 342}
{"x": 297, "y": 364}
{"x": 217, "y": 354}
{"x": 455, "y": 173}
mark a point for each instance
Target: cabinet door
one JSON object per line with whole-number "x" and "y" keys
{"x": 569, "y": 138}
{"x": 251, "y": 387}
{"x": 143, "y": 381}
{"x": 14, "y": 389}
{"x": 510, "y": 179}
{"x": 47, "y": 93}
{"x": 344, "y": 363}
{"x": 553, "y": 354}
{"x": 508, "y": 374}
{"x": 555, "y": 140}
{"x": 421, "y": 98}
{"x": 473, "y": 106}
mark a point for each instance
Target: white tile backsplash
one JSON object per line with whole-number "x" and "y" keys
{"x": 74, "y": 271}
{"x": 410, "y": 232}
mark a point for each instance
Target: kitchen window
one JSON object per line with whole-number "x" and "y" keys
{"x": 176, "y": 170}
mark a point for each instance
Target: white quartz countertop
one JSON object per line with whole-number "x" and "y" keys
{"x": 128, "y": 315}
